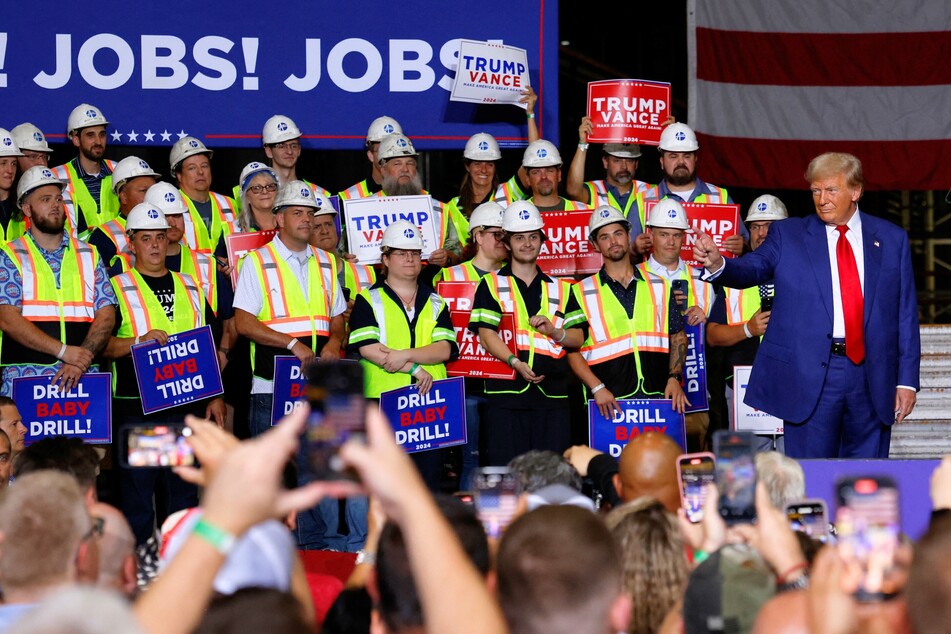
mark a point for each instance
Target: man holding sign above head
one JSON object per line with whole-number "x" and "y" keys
{"x": 288, "y": 300}
{"x": 154, "y": 303}
{"x": 380, "y": 128}
{"x": 678, "y": 161}
{"x": 542, "y": 163}
{"x": 56, "y": 305}
{"x": 739, "y": 318}
{"x": 622, "y": 356}
{"x": 402, "y": 330}
{"x": 531, "y": 411}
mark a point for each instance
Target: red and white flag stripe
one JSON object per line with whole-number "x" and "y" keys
{"x": 773, "y": 84}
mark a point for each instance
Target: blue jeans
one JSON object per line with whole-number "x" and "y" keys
{"x": 260, "y": 414}
{"x": 470, "y": 451}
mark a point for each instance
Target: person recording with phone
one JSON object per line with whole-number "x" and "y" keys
{"x": 402, "y": 330}
{"x": 738, "y": 321}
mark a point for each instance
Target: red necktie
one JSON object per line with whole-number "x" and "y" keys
{"x": 853, "y": 305}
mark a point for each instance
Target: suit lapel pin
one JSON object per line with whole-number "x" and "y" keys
{"x": 876, "y": 243}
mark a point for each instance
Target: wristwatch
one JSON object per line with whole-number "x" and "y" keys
{"x": 676, "y": 375}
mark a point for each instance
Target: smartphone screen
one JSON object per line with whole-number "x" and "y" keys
{"x": 695, "y": 471}
{"x": 337, "y": 413}
{"x": 157, "y": 446}
{"x": 495, "y": 495}
{"x": 867, "y": 524}
{"x": 809, "y": 517}
{"x": 736, "y": 476}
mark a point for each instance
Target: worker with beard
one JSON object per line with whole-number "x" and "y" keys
{"x": 678, "y": 161}
{"x": 622, "y": 312}
{"x": 88, "y": 177}
{"x": 531, "y": 410}
{"x": 57, "y": 308}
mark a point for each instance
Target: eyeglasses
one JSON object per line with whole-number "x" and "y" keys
{"x": 97, "y": 528}
{"x": 290, "y": 145}
{"x": 498, "y": 235}
{"x": 259, "y": 189}
{"x": 405, "y": 255}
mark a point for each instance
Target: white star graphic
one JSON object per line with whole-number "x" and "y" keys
{"x": 182, "y": 134}
{"x": 166, "y": 136}
{"x": 133, "y": 136}
{"x": 149, "y": 136}
{"x": 116, "y": 135}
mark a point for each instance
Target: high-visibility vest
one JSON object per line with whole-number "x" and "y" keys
{"x": 115, "y": 231}
{"x": 464, "y": 272}
{"x": 741, "y": 304}
{"x": 142, "y": 312}
{"x": 357, "y": 277}
{"x": 570, "y": 205}
{"x": 17, "y": 227}
{"x": 612, "y": 334}
{"x": 95, "y": 212}
{"x": 715, "y": 195}
{"x": 555, "y": 296}
{"x": 63, "y": 313}
{"x": 392, "y": 330}
{"x": 360, "y": 190}
{"x": 199, "y": 265}
{"x": 599, "y": 194}
{"x": 509, "y": 192}
{"x": 285, "y": 308}
{"x": 223, "y": 218}
{"x": 458, "y": 220}
{"x": 699, "y": 293}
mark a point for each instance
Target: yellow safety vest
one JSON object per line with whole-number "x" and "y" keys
{"x": 115, "y": 231}
{"x": 223, "y": 215}
{"x": 360, "y": 190}
{"x": 699, "y": 293}
{"x": 63, "y": 313}
{"x": 720, "y": 196}
{"x": 17, "y": 228}
{"x": 357, "y": 277}
{"x": 464, "y": 272}
{"x": 554, "y": 300}
{"x": 612, "y": 334}
{"x": 570, "y": 205}
{"x": 741, "y": 304}
{"x": 285, "y": 309}
{"x": 459, "y": 220}
{"x": 599, "y": 194}
{"x": 509, "y": 192}
{"x": 394, "y": 333}
{"x": 95, "y": 212}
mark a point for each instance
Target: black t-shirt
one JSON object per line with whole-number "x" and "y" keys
{"x": 163, "y": 287}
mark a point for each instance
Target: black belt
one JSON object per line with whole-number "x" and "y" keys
{"x": 838, "y": 348}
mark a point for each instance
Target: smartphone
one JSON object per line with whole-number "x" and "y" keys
{"x": 810, "y": 517}
{"x": 736, "y": 475}
{"x": 156, "y": 447}
{"x": 337, "y": 413}
{"x": 694, "y": 472}
{"x": 681, "y": 286}
{"x": 766, "y": 304}
{"x": 867, "y": 525}
{"x": 495, "y": 496}
{"x": 466, "y": 497}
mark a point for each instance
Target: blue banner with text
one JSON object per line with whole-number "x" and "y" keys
{"x": 639, "y": 416}
{"x": 84, "y": 411}
{"x": 182, "y": 371}
{"x": 427, "y": 421}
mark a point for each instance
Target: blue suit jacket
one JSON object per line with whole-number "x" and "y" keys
{"x": 792, "y": 360}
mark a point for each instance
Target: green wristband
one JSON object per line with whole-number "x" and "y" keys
{"x": 700, "y": 556}
{"x": 508, "y": 361}
{"x": 221, "y": 540}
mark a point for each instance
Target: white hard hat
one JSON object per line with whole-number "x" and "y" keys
{"x": 382, "y": 127}
{"x": 278, "y": 129}
{"x": 8, "y": 146}
{"x": 403, "y": 234}
{"x": 295, "y": 194}
{"x": 393, "y": 146}
{"x": 324, "y": 206}
{"x": 35, "y": 177}
{"x": 29, "y": 137}
{"x": 128, "y": 168}
{"x": 486, "y": 215}
{"x": 678, "y": 137}
{"x": 145, "y": 217}
{"x": 84, "y": 116}
{"x": 541, "y": 153}
{"x": 252, "y": 168}
{"x": 522, "y": 216}
{"x": 767, "y": 207}
{"x": 185, "y": 147}
{"x": 166, "y": 198}
{"x": 623, "y": 150}
{"x": 668, "y": 214}
{"x": 603, "y": 216}
{"x": 482, "y": 147}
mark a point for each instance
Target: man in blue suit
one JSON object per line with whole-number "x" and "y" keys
{"x": 839, "y": 361}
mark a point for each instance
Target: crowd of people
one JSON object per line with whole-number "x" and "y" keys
{"x": 100, "y": 256}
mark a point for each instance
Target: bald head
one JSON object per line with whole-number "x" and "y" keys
{"x": 648, "y": 467}
{"x": 117, "y": 564}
